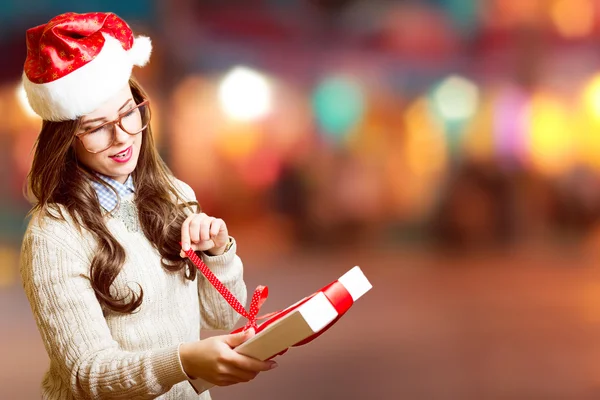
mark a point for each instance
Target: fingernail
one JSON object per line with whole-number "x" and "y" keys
{"x": 182, "y": 254}
{"x": 185, "y": 246}
{"x": 274, "y": 365}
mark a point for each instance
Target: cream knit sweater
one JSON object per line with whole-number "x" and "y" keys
{"x": 97, "y": 353}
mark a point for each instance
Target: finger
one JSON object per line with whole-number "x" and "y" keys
{"x": 205, "y": 228}
{"x": 251, "y": 364}
{"x": 235, "y": 339}
{"x": 182, "y": 254}
{"x": 185, "y": 233}
{"x": 203, "y": 246}
{"x": 195, "y": 227}
{"x": 216, "y": 226}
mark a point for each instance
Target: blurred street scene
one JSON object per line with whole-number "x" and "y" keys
{"x": 451, "y": 148}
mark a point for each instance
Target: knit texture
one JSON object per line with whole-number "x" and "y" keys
{"x": 97, "y": 353}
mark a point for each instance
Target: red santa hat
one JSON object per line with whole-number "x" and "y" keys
{"x": 76, "y": 62}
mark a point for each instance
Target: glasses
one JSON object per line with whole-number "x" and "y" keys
{"x": 99, "y": 138}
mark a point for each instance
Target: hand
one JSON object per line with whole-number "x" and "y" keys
{"x": 204, "y": 233}
{"x": 214, "y": 360}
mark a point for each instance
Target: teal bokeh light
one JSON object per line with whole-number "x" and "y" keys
{"x": 338, "y": 104}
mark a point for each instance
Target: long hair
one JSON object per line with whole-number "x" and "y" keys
{"x": 57, "y": 178}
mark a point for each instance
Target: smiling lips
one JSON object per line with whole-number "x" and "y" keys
{"x": 123, "y": 156}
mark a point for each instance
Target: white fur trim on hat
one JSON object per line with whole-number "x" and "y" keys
{"x": 88, "y": 87}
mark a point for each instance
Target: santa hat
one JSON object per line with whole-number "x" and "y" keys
{"x": 76, "y": 62}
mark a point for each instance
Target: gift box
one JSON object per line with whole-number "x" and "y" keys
{"x": 296, "y": 325}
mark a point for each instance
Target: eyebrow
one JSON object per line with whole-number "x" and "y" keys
{"x": 86, "y": 123}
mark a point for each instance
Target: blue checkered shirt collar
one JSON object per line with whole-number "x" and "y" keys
{"x": 107, "y": 197}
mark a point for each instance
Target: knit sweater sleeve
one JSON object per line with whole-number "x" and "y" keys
{"x": 216, "y": 313}
{"x": 55, "y": 275}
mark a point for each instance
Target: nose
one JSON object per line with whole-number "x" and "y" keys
{"x": 120, "y": 135}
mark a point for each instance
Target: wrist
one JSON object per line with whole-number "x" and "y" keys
{"x": 216, "y": 251}
{"x": 184, "y": 357}
{"x": 219, "y": 251}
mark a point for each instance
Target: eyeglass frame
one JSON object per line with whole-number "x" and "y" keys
{"x": 116, "y": 122}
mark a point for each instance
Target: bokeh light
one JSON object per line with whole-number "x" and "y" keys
{"x": 245, "y": 94}
{"x": 456, "y": 99}
{"x": 551, "y": 146}
{"x": 573, "y": 18}
{"x": 591, "y": 97}
{"x": 338, "y": 104}
{"x": 425, "y": 156}
{"x": 511, "y": 122}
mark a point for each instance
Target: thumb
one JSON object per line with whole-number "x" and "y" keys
{"x": 236, "y": 339}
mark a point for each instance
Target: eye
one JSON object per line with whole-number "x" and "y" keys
{"x": 100, "y": 129}
{"x": 130, "y": 113}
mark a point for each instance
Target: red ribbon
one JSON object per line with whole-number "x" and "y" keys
{"x": 335, "y": 292}
{"x": 258, "y": 298}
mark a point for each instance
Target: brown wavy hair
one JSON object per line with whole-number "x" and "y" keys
{"x": 57, "y": 178}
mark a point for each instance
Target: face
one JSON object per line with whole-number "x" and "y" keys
{"x": 120, "y": 159}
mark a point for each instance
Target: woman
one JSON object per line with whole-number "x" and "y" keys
{"x": 118, "y": 305}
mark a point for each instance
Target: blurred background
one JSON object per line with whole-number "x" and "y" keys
{"x": 451, "y": 148}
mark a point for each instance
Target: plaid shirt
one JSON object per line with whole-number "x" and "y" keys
{"x": 108, "y": 198}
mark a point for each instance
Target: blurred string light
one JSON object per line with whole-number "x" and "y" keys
{"x": 245, "y": 94}
{"x": 573, "y": 18}
{"x": 338, "y": 104}
{"x": 552, "y": 144}
{"x": 456, "y": 98}
{"x": 511, "y": 120}
{"x": 455, "y": 101}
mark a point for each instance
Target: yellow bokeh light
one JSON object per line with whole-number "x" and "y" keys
{"x": 587, "y": 123}
{"x": 425, "y": 156}
{"x": 586, "y": 132}
{"x": 552, "y": 144}
{"x": 425, "y": 141}
{"x": 573, "y": 18}
{"x": 591, "y": 97}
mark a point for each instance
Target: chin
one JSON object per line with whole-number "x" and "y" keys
{"x": 120, "y": 171}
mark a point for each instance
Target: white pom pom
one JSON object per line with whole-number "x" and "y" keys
{"x": 140, "y": 51}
